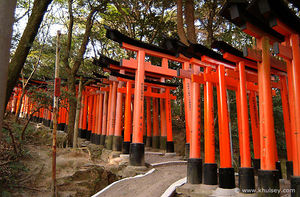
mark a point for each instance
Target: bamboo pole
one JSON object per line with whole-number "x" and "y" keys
{"x": 55, "y": 110}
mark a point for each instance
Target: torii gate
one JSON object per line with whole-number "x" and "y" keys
{"x": 163, "y": 142}
{"x": 139, "y": 64}
{"x": 281, "y": 27}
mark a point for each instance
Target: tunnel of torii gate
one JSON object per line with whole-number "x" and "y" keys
{"x": 113, "y": 110}
{"x": 156, "y": 88}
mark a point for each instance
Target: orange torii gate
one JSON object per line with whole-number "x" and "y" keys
{"x": 273, "y": 23}
{"x": 165, "y": 140}
{"x": 140, "y": 67}
{"x": 226, "y": 176}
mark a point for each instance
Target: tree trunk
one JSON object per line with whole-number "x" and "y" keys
{"x": 7, "y": 9}
{"x": 77, "y": 114}
{"x": 209, "y": 29}
{"x": 26, "y": 41}
{"x": 189, "y": 10}
{"x": 72, "y": 108}
{"x": 27, "y": 123}
{"x": 72, "y": 75}
{"x": 20, "y": 105}
{"x": 180, "y": 29}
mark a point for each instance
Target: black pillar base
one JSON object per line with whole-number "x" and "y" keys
{"x": 170, "y": 147}
{"x": 268, "y": 181}
{"x": 97, "y": 139}
{"x": 66, "y": 128}
{"x": 278, "y": 167}
{"x": 149, "y": 141}
{"x": 187, "y": 151}
{"x": 295, "y": 186}
{"x": 226, "y": 178}
{"x": 289, "y": 169}
{"x": 194, "y": 171}
{"x": 109, "y": 142}
{"x": 51, "y": 124}
{"x": 210, "y": 174}
{"x": 88, "y": 135}
{"x": 63, "y": 125}
{"x": 246, "y": 180}
{"x": 256, "y": 165}
{"x": 102, "y": 140}
{"x": 79, "y": 132}
{"x": 137, "y": 154}
{"x": 59, "y": 126}
{"x": 44, "y": 122}
{"x": 155, "y": 142}
{"x": 125, "y": 147}
{"x": 117, "y": 143}
{"x": 48, "y": 123}
{"x": 93, "y": 138}
{"x": 163, "y": 142}
{"x": 83, "y": 133}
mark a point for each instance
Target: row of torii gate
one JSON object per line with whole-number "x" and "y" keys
{"x": 135, "y": 84}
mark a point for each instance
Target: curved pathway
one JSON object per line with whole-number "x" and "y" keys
{"x": 151, "y": 185}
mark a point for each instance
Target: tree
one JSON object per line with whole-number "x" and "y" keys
{"x": 26, "y": 41}
{"x": 7, "y": 9}
{"x": 190, "y": 35}
{"x": 73, "y": 68}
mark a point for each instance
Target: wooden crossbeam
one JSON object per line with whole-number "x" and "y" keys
{"x": 104, "y": 89}
{"x": 283, "y": 51}
{"x": 237, "y": 59}
{"x": 252, "y": 30}
{"x": 182, "y": 73}
{"x": 255, "y": 54}
{"x": 132, "y": 63}
{"x": 150, "y": 94}
{"x": 147, "y": 84}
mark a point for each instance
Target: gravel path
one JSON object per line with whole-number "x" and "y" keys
{"x": 152, "y": 185}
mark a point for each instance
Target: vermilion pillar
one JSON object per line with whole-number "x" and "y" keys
{"x": 194, "y": 165}
{"x": 81, "y": 115}
{"x": 104, "y": 117}
{"x": 117, "y": 139}
{"x": 112, "y": 117}
{"x": 295, "y": 79}
{"x": 137, "y": 149}
{"x": 128, "y": 120}
{"x": 268, "y": 175}
{"x": 287, "y": 126}
{"x": 187, "y": 108}
{"x": 148, "y": 123}
{"x": 100, "y": 116}
{"x": 90, "y": 116}
{"x": 289, "y": 165}
{"x": 210, "y": 167}
{"x": 246, "y": 172}
{"x": 163, "y": 123}
{"x": 108, "y": 111}
{"x": 170, "y": 142}
{"x": 94, "y": 119}
{"x": 255, "y": 130}
{"x": 84, "y": 118}
{"x": 226, "y": 172}
{"x": 155, "y": 137}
